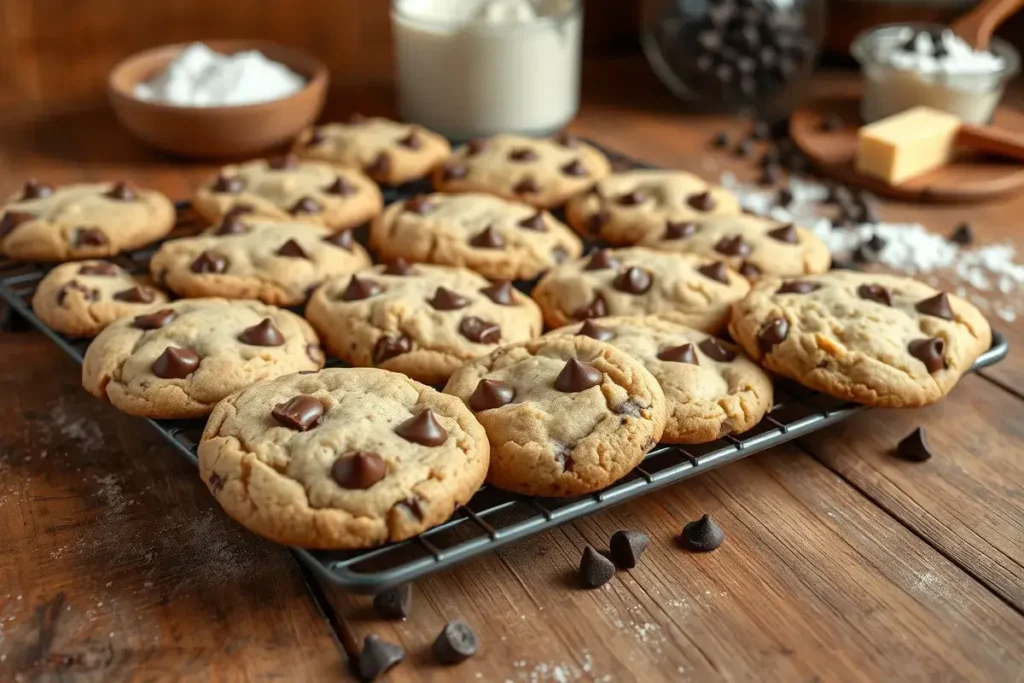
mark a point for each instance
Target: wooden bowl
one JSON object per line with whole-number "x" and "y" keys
{"x": 234, "y": 131}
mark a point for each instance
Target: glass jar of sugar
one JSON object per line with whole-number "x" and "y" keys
{"x": 473, "y": 68}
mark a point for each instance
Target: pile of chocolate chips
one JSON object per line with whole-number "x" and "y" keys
{"x": 739, "y": 51}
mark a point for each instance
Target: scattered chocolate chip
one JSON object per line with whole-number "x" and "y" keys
{"x": 175, "y": 363}
{"x": 454, "y": 171}
{"x": 35, "y": 190}
{"x": 412, "y": 140}
{"x": 387, "y": 348}
{"x": 210, "y": 262}
{"x": 358, "y": 469}
{"x": 377, "y": 657}
{"x": 721, "y": 140}
{"x": 876, "y": 293}
{"x": 936, "y": 306}
{"x": 423, "y": 428}
{"x": 419, "y": 204}
{"x": 88, "y": 293}
{"x": 596, "y": 221}
{"x": 526, "y": 186}
{"x": 745, "y": 149}
{"x": 633, "y": 198}
{"x": 342, "y": 187}
{"x": 455, "y": 643}
{"x": 534, "y": 222}
{"x": 962, "y": 235}
{"x": 876, "y": 243}
{"x": 300, "y": 413}
{"x": 733, "y": 246}
{"x": 679, "y": 354}
{"x": 102, "y": 268}
{"x": 798, "y": 287}
{"x": 232, "y": 225}
{"x": 11, "y": 220}
{"x": 595, "y": 331}
{"x": 601, "y": 259}
{"x": 595, "y": 569}
{"x": 716, "y": 350}
{"x": 263, "y": 333}
{"x": 717, "y": 271}
{"x": 380, "y": 166}
{"x": 394, "y": 603}
{"x": 522, "y": 154}
{"x": 784, "y": 198}
{"x": 786, "y": 233}
{"x": 154, "y": 321}
{"x": 445, "y": 299}
{"x": 360, "y": 288}
{"x": 89, "y": 237}
{"x": 633, "y": 280}
{"x": 627, "y": 546}
{"x": 342, "y": 239}
{"x": 830, "y": 123}
{"x": 136, "y": 295}
{"x": 228, "y": 184}
{"x": 931, "y": 352}
{"x": 490, "y": 394}
{"x": 283, "y": 162}
{"x": 398, "y": 266}
{"x": 121, "y": 192}
{"x": 774, "y": 332}
{"x": 576, "y": 169}
{"x": 702, "y": 201}
{"x": 914, "y": 447}
{"x": 479, "y": 330}
{"x": 488, "y": 239}
{"x": 597, "y": 308}
{"x": 305, "y": 205}
{"x": 501, "y": 293}
{"x": 749, "y": 270}
{"x": 474, "y": 147}
{"x": 678, "y": 230}
{"x": 702, "y": 535}
{"x": 577, "y": 376}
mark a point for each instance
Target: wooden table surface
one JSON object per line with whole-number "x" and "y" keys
{"x": 840, "y": 562}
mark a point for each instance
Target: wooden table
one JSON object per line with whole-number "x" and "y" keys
{"x": 840, "y": 563}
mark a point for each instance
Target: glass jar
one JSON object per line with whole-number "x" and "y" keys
{"x": 739, "y": 55}
{"x": 473, "y": 68}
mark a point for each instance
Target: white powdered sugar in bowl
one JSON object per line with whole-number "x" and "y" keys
{"x": 200, "y": 77}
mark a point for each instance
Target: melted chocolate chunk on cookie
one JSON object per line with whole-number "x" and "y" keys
{"x": 121, "y": 192}
{"x": 100, "y": 268}
{"x": 749, "y": 270}
{"x": 596, "y": 221}
{"x": 679, "y": 230}
{"x": 936, "y": 306}
{"x": 526, "y": 186}
{"x": 399, "y": 267}
{"x": 175, "y": 363}
{"x": 595, "y": 331}
{"x": 490, "y": 394}
{"x": 301, "y": 413}
{"x": 423, "y": 428}
{"x": 931, "y": 352}
{"x": 575, "y": 169}
{"x": 876, "y": 293}
{"x": 380, "y": 166}
{"x": 136, "y": 295}
{"x": 634, "y": 280}
{"x": 716, "y": 271}
{"x": 304, "y": 206}
{"x": 283, "y": 162}
{"x": 577, "y": 376}
{"x": 474, "y": 147}
{"x": 154, "y": 321}
{"x": 240, "y": 209}
{"x": 361, "y": 288}
{"x": 633, "y": 198}
{"x": 263, "y": 333}
{"x": 445, "y": 299}
{"x": 684, "y": 353}
{"x": 35, "y": 190}
{"x": 316, "y": 136}
{"x": 413, "y": 506}
{"x": 454, "y": 172}
{"x": 419, "y": 204}
{"x": 602, "y": 259}
{"x": 387, "y": 348}
{"x": 501, "y": 293}
{"x": 522, "y": 154}
{"x": 88, "y": 293}
{"x": 786, "y": 233}
{"x": 210, "y": 262}
{"x": 479, "y": 330}
{"x": 315, "y": 354}
{"x": 342, "y": 240}
{"x": 598, "y": 308}
{"x": 292, "y": 249}
{"x": 702, "y": 201}
{"x": 216, "y": 483}
{"x": 358, "y": 469}
{"x": 566, "y": 140}
{"x": 716, "y": 350}
{"x": 534, "y": 222}
{"x": 232, "y": 225}
{"x": 774, "y": 332}
{"x": 488, "y": 239}
{"x": 12, "y": 219}
{"x": 342, "y": 187}
{"x": 798, "y": 287}
{"x": 412, "y": 141}
{"x": 733, "y": 246}
{"x": 228, "y": 184}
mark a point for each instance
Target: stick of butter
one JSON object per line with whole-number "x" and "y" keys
{"x": 907, "y": 144}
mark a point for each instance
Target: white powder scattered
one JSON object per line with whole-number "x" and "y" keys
{"x": 86, "y": 434}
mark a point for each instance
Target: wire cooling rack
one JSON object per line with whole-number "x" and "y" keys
{"x": 492, "y": 518}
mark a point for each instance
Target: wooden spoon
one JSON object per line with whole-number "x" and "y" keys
{"x": 976, "y": 26}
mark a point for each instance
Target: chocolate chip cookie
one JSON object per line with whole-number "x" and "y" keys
{"x": 752, "y": 245}
{"x": 423, "y": 321}
{"x": 635, "y": 206}
{"x": 245, "y": 257}
{"x": 342, "y": 458}
{"x": 80, "y": 299}
{"x": 285, "y": 188}
{"x": 541, "y": 172}
{"x": 496, "y": 237}
{"x": 389, "y": 152}
{"x": 694, "y": 290}
{"x": 711, "y": 388}
{"x": 565, "y": 415}
{"x": 881, "y": 340}
{"x": 176, "y": 360}
{"x": 71, "y": 222}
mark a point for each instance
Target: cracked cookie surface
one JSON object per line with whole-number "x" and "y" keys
{"x": 880, "y": 340}
{"x": 564, "y": 415}
{"x": 176, "y": 360}
{"x": 711, "y": 387}
{"x": 495, "y": 237}
{"x": 421, "y": 320}
{"x": 342, "y": 458}
{"x": 691, "y": 289}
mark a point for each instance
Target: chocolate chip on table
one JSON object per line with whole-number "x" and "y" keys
{"x": 914, "y": 447}
{"x": 591, "y": 329}
{"x": 232, "y": 225}
{"x": 412, "y": 140}
{"x": 35, "y": 190}
{"x": 398, "y": 266}
{"x": 522, "y": 154}
{"x": 678, "y": 230}
{"x": 300, "y": 413}
{"x": 377, "y": 657}
{"x": 305, "y": 205}
{"x": 526, "y": 186}
{"x": 702, "y": 535}
{"x": 455, "y": 643}
{"x": 721, "y": 140}
{"x": 154, "y": 321}
{"x": 931, "y": 352}
{"x": 717, "y": 271}
{"x": 89, "y": 237}
{"x": 360, "y": 288}
{"x": 479, "y": 330}
{"x": 292, "y": 249}
{"x": 936, "y": 306}
{"x": 12, "y": 219}
{"x": 175, "y": 363}
{"x": 423, "y": 428}
{"x": 121, "y": 192}
{"x": 577, "y": 376}
{"x": 575, "y": 168}
{"x": 962, "y": 234}
{"x": 534, "y": 222}
{"x": 597, "y": 308}
{"x": 419, "y": 204}
{"x": 489, "y": 238}
{"x": 749, "y": 270}
{"x": 684, "y": 353}
{"x": 774, "y": 332}
{"x": 830, "y": 123}
{"x": 136, "y": 295}
{"x": 798, "y": 287}
{"x": 342, "y": 239}
{"x": 784, "y": 198}
{"x": 490, "y": 394}
{"x": 876, "y": 242}
{"x": 595, "y": 569}
{"x": 601, "y": 259}
{"x": 632, "y": 198}
{"x": 101, "y": 268}
{"x": 283, "y": 162}
{"x": 633, "y": 280}
{"x": 394, "y": 603}
{"x": 387, "y": 348}
{"x": 716, "y": 350}
{"x": 445, "y": 299}
{"x": 702, "y": 201}
{"x": 786, "y": 233}
{"x": 263, "y": 333}
{"x": 501, "y": 293}
{"x": 210, "y": 262}
{"x": 89, "y": 293}
{"x": 342, "y": 187}
{"x": 381, "y": 165}
{"x": 876, "y": 293}
{"x": 626, "y": 547}
{"x": 358, "y": 469}
{"x": 733, "y": 246}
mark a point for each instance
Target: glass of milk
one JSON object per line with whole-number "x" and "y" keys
{"x": 473, "y": 68}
